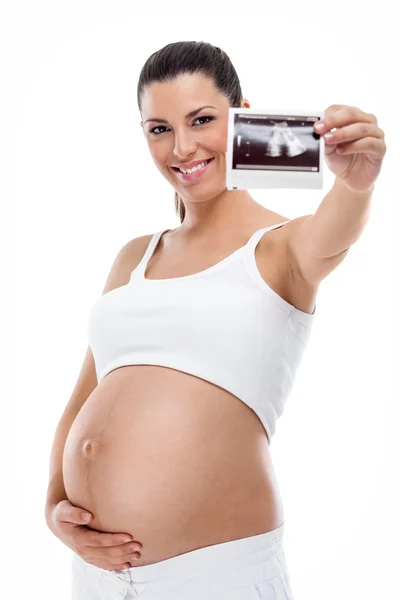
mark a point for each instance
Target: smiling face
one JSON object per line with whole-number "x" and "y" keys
{"x": 176, "y": 138}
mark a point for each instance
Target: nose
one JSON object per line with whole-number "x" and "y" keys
{"x": 185, "y": 144}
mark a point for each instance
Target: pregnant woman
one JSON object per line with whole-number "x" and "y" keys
{"x": 193, "y": 351}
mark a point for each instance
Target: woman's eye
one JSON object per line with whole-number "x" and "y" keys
{"x": 154, "y": 130}
{"x": 163, "y": 127}
{"x": 210, "y": 119}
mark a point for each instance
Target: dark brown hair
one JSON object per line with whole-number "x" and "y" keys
{"x": 181, "y": 58}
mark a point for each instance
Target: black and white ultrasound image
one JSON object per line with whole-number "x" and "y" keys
{"x": 274, "y": 142}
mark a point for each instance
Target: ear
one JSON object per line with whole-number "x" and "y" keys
{"x": 141, "y": 123}
{"x": 245, "y": 103}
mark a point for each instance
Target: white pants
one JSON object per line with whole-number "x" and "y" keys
{"x": 251, "y": 568}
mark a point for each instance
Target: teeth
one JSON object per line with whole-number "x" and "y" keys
{"x": 196, "y": 168}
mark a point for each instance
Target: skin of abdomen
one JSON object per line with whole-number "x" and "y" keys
{"x": 172, "y": 459}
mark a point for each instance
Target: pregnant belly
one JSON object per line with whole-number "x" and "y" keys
{"x": 172, "y": 459}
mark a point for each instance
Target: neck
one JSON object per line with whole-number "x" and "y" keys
{"x": 228, "y": 211}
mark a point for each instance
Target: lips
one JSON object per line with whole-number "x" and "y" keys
{"x": 197, "y": 174}
{"x": 208, "y": 160}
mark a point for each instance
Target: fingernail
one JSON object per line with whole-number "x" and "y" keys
{"x": 320, "y": 126}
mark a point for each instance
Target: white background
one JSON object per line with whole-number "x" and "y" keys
{"x": 81, "y": 183}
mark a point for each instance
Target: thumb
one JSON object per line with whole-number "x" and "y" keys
{"x": 73, "y": 514}
{"x": 85, "y": 516}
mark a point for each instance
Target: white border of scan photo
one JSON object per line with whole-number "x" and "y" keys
{"x": 277, "y": 172}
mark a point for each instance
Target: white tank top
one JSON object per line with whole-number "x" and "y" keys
{"x": 223, "y": 324}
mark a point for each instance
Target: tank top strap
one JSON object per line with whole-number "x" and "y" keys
{"x": 150, "y": 248}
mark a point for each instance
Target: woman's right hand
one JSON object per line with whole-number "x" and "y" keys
{"x": 111, "y": 551}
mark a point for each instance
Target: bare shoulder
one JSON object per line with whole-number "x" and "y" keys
{"x": 282, "y": 235}
{"x": 276, "y": 249}
{"x": 134, "y": 250}
{"x": 282, "y": 247}
{"x": 280, "y": 269}
{"x": 279, "y": 238}
{"x": 291, "y": 226}
{"x": 136, "y": 247}
{"x": 126, "y": 260}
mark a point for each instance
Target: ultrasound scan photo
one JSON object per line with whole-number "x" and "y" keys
{"x": 274, "y": 149}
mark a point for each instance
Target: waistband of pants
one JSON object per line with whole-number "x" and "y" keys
{"x": 256, "y": 549}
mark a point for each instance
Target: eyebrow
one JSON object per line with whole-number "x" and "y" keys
{"x": 193, "y": 113}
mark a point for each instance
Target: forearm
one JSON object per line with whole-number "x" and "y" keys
{"x": 55, "y": 493}
{"x": 56, "y": 490}
{"x": 339, "y": 220}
